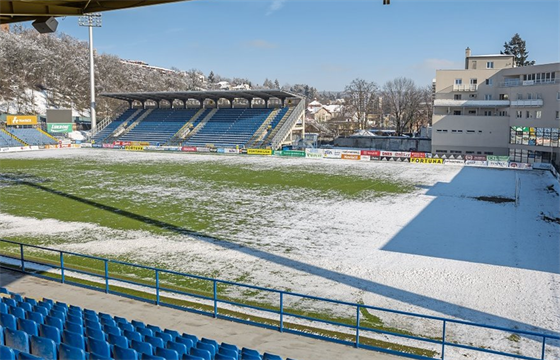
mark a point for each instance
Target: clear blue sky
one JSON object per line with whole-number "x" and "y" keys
{"x": 324, "y": 43}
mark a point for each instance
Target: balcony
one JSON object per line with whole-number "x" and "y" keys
{"x": 518, "y": 82}
{"x": 466, "y": 87}
{"x": 527, "y": 103}
{"x": 473, "y": 103}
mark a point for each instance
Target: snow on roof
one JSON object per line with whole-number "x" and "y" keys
{"x": 315, "y": 103}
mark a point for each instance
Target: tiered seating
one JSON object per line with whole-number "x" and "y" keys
{"x": 45, "y": 329}
{"x": 32, "y": 136}
{"x": 230, "y": 127}
{"x": 275, "y": 122}
{"x": 108, "y": 130}
{"x": 8, "y": 141}
{"x": 159, "y": 126}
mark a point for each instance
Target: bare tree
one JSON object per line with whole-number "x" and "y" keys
{"x": 363, "y": 100}
{"x": 403, "y": 100}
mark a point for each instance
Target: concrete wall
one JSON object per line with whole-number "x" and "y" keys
{"x": 385, "y": 143}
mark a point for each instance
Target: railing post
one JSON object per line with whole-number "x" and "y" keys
{"x": 21, "y": 256}
{"x": 543, "y": 346}
{"x": 157, "y": 287}
{"x": 215, "y": 299}
{"x": 358, "y": 326}
{"x": 281, "y": 311}
{"x": 62, "y": 267}
{"x": 106, "y": 276}
{"x": 443, "y": 341}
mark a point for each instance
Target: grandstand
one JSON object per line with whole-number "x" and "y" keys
{"x": 268, "y": 119}
{"x": 32, "y": 136}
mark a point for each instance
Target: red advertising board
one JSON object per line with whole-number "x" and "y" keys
{"x": 189, "y": 148}
{"x": 417, "y": 155}
{"x": 371, "y": 152}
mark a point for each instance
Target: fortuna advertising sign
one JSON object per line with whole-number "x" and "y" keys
{"x": 21, "y": 120}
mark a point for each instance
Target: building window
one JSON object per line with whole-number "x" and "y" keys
{"x": 538, "y": 114}
{"x": 488, "y": 97}
{"x": 441, "y": 151}
{"x": 489, "y": 64}
{"x": 474, "y": 64}
{"x": 489, "y": 82}
{"x": 488, "y": 153}
{"x": 457, "y": 97}
{"x": 529, "y": 115}
{"x": 470, "y": 131}
{"x": 469, "y": 152}
{"x": 455, "y": 151}
{"x": 472, "y": 112}
{"x": 453, "y": 131}
{"x": 519, "y": 96}
{"x": 487, "y": 112}
{"x": 529, "y": 96}
{"x": 504, "y": 96}
{"x": 519, "y": 114}
{"x": 557, "y": 114}
{"x": 558, "y": 95}
{"x": 458, "y": 81}
{"x": 474, "y": 81}
{"x": 456, "y": 112}
{"x": 502, "y": 113}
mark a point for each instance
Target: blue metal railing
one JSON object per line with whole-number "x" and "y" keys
{"x": 282, "y": 312}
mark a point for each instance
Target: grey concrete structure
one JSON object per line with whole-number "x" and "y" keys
{"x": 285, "y": 345}
{"x": 494, "y": 108}
{"x": 385, "y": 143}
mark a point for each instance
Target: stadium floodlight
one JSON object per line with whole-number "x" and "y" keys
{"x": 91, "y": 21}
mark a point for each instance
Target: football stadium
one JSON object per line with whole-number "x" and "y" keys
{"x": 187, "y": 227}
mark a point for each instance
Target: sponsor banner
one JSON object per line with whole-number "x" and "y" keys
{"x": 476, "y": 163}
{"x": 189, "y": 148}
{"x": 332, "y": 153}
{"x": 153, "y": 148}
{"x": 221, "y": 151}
{"x": 370, "y": 152}
{"x": 86, "y": 145}
{"x": 4, "y": 149}
{"x": 376, "y": 158}
{"x": 230, "y": 151}
{"x": 108, "y": 146}
{"x": 453, "y": 162}
{"x": 476, "y": 157}
{"x": 21, "y": 120}
{"x": 202, "y": 149}
{"x": 314, "y": 153}
{"x": 59, "y": 128}
{"x": 134, "y": 148}
{"x": 259, "y": 152}
{"x": 171, "y": 148}
{"x": 122, "y": 143}
{"x": 96, "y": 145}
{"x": 395, "y": 154}
{"x": 417, "y": 155}
{"x": 426, "y": 161}
{"x": 497, "y": 158}
{"x": 34, "y": 147}
{"x": 350, "y": 157}
{"x": 521, "y": 166}
{"x": 498, "y": 164}
{"x": 137, "y": 143}
{"x": 351, "y": 152}
{"x": 294, "y": 153}
{"x": 365, "y": 157}
{"x": 77, "y": 145}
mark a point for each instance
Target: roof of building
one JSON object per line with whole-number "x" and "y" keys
{"x": 202, "y": 95}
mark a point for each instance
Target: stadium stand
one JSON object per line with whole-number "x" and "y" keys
{"x": 33, "y": 136}
{"x": 7, "y": 141}
{"x": 108, "y": 130}
{"x": 45, "y": 329}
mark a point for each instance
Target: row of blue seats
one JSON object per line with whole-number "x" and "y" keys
{"x": 32, "y": 136}
{"x": 8, "y": 141}
{"x": 46, "y": 329}
{"x": 108, "y": 130}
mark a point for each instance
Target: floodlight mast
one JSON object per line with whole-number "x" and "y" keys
{"x": 91, "y": 21}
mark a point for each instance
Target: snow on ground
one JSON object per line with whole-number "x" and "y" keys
{"x": 436, "y": 251}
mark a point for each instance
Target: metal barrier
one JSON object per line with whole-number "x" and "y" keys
{"x": 282, "y": 313}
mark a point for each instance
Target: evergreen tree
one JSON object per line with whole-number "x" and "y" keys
{"x": 517, "y": 48}
{"x": 276, "y": 84}
{"x": 211, "y": 77}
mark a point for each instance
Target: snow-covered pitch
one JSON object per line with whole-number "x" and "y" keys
{"x": 439, "y": 250}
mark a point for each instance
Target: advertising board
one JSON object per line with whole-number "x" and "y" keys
{"x": 59, "y": 128}
{"x": 189, "y": 148}
{"x": 453, "y": 162}
{"x": 293, "y": 153}
{"x": 520, "y": 166}
{"x": 417, "y": 155}
{"x": 314, "y": 153}
{"x": 259, "y": 152}
{"x": 134, "y": 148}
{"x": 21, "y": 120}
{"x": 350, "y": 157}
{"x": 332, "y": 153}
{"x": 476, "y": 163}
{"x": 498, "y": 164}
{"x": 426, "y": 161}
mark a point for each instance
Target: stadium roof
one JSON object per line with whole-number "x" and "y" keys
{"x": 24, "y": 10}
{"x": 202, "y": 95}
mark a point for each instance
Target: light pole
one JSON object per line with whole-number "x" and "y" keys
{"x": 91, "y": 21}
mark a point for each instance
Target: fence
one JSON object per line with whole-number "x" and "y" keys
{"x": 108, "y": 281}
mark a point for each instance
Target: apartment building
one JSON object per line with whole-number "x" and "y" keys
{"x": 494, "y": 108}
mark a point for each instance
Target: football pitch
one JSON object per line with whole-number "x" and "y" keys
{"x": 411, "y": 237}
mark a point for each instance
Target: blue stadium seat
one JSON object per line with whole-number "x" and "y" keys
{"x": 16, "y": 297}
{"x": 3, "y": 308}
{"x": 173, "y": 333}
{"x": 67, "y": 352}
{"x": 250, "y": 357}
{"x": 25, "y": 306}
{"x": 48, "y": 301}
{"x": 95, "y": 333}
{"x": 90, "y": 315}
{"x": 62, "y": 305}
{"x": 209, "y": 347}
{"x": 74, "y": 319}
{"x": 31, "y": 301}
{"x": 142, "y": 347}
{"x": 56, "y": 322}
{"x": 75, "y": 308}
{"x": 154, "y": 341}
{"x": 152, "y": 357}
{"x": 77, "y": 328}
{"x": 1, "y": 335}
{"x": 109, "y": 329}
{"x": 192, "y": 357}
{"x": 138, "y": 324}
{"x": 164, "y": 336}
{"x": 133, "y": 335}
{"x": 29, "y": 326}
{"x": 268, "y": 356}
{"x": 205, "y": 354}
{"x": 181, "y": 349}
{"x": 35, "y": 316}
{"x": 168, "y": 354}
{"x": 122, "y": 353}
{"x": 17, "y": 312}
{"x": 7, "y": 353}
{"x": 43, "y": 347}
{"x": 154, "y": 328}
{"x": 250, "y": 352}
{"x": 50, "y": 332}
{"x": 57, "y": 314}
{"x": 119, "y": 319}
{"x": 125, "y": 326}
{"x": 220, "y": 356}
{"x": 8, "y": 321}
{"x": 17, "y": 340}
{"x": 187, "y": 342}
{"x": 9, "y": 301}
{"x": 117, "y": 340}
{"x": 229, "y": 347}
{"x": 3, "y": 290}
{"x": 41, "y": 310}
{"x": 94, "y": 356}
{"x": 228, "y": 352}
{"x": 210, "y": 341}
{"x": 94, "y": 324}
{"x": 193, "y": 338}
{"x": 107, "y": 322}
{"x": 145, "y": 331}
{"x": 74, "y": 339}
{"x": 100, "y": 347}
{"x": 62, "y": 309}
{"x": 26, "y": 356}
